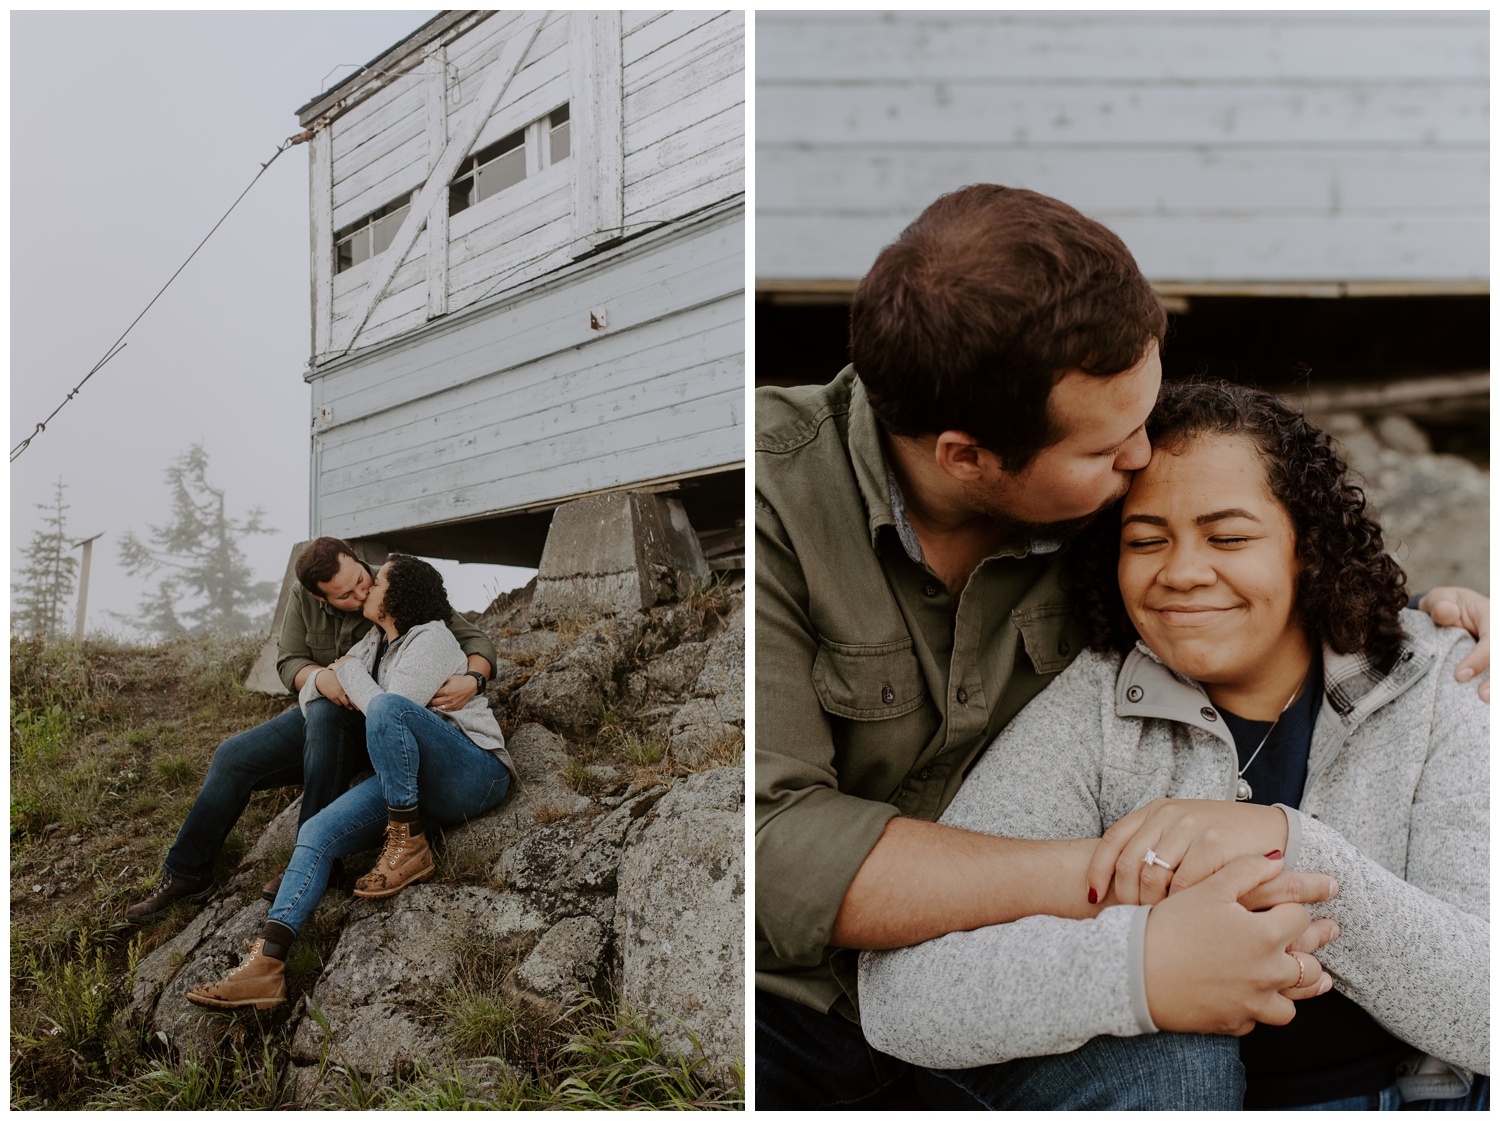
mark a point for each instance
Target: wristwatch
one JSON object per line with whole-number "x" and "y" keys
{"x": 479, "y": 677}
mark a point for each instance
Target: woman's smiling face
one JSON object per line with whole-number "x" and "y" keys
{"x": 1208, "y": 569}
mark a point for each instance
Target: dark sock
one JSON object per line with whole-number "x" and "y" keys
{"x": 276, "y": 939}
{"x": 411, "y": 815}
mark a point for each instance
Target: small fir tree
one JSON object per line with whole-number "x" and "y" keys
{"x": 208, "y": 585}
{"x": 41, "y": 597}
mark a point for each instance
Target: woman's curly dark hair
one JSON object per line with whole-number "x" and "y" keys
{"x": 1349, "y": 593}
{"x": 414, "y": 593}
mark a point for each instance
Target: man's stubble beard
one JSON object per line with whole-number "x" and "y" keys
{"x": 1061, "y": 532}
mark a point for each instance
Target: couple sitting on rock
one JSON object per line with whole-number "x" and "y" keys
{"x": 403, "y": 696}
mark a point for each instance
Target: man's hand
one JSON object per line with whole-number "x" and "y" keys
{"x": 328, "y": 684}
{"x": 1196, "y": 837}
{"x": 1214, "y": 966}
{"x": 1461, "y": 607}
{"x": 454, "y": 693}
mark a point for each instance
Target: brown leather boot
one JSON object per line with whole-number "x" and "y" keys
{"x": 257, "y": 982}
{"x": 173, "y": 889}
{"x": 269, "y": 889}
{"x": 405, "y": 859}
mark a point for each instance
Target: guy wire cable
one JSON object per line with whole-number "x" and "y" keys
{"x": 119, "y": 344}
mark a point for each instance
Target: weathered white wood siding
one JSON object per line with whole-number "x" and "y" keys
{"x": 1223, "y": 147}
{"x": 527, "y": 404}
{"x": 680, "y": 128}
{"x": 462, "y": 378}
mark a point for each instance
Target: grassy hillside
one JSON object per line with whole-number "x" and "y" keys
{"x": 109, "y": 744}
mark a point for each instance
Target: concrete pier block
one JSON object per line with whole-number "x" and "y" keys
{"x": 615, "y": 554}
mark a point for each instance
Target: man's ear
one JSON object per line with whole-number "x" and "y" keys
{"x": 962, "y": 458}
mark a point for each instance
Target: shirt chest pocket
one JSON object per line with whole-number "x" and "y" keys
{"x": 878, "y": 682}
{"x": 322, "y": 648}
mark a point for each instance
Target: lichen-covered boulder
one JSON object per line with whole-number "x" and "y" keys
{"x": 680, "y": 906}
{"x": 392, "y": 965}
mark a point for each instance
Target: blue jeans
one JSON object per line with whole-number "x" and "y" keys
{"x": 1390, "y": 1098}
{"x": 412, "y": 749}
{"x": 806, "y": 1059}
{"x": 322, "y": 753}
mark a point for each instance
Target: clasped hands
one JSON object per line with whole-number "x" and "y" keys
{"x": 1222, "y": 898}
{"x": 451, "y": 696}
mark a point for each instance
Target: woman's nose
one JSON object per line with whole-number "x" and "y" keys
{"x": 1185, "y": 566}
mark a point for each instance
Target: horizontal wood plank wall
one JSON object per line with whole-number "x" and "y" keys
{"x": 684, "y": 86}
{"x": 525, "y": 404}
{"x": 1249, "y": 146}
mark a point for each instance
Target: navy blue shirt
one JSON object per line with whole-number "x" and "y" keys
{"x": 1333, "y": 1048}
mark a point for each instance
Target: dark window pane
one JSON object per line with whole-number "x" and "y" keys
{"x": 458, "y": 195}
{"x": 560, "y": 142}
{"x": 384, "y": 230}
{"x": 343, "y": 255}
{"x": 558, "y": 116}
{"x": 496, "y": 175}
{"x": 499, "y": 148}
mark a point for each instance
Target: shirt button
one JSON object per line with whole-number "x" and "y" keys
{"x": 1134, "y": 693}
{"x": 1208, "y": 713}
{"x": 930, "y": 590}
{"x": 1063, "y": 647}
{"x": 963, "y": 697}
{"x": 888, "y": 695}
{"x": 925, "y": 773}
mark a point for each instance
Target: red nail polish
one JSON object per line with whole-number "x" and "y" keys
{"x": 1274, "y": 854}
{"x": 1093, "y": 896}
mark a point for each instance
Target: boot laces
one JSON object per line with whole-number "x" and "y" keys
{"x": 251, "y": 949}
{"x": 393, "y": 845}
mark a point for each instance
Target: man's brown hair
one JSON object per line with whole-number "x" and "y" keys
{"x": 319, "y": 562}
{"x": 985, "y": 301}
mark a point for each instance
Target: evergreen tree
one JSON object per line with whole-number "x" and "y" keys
{"x": 45, "y": 590}
{"x": 208, "y": 585}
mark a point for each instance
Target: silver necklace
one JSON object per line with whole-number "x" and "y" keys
{"x": 1242, "y": 789}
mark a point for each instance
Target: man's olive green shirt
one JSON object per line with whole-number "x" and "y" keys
{"x": 314, "y": 634}
{"x": 874, "y": 691}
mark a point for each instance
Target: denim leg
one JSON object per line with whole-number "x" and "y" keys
{"x": 805, "y": 1059}
{"x": 266, "y": 756}
{"x": 1477, "y": 1098}
{"x": 421, "y": 758}
{"x": 1168, "y": 1070}
{"x": 333, "y": 753}
{"x": 355, "y": 821}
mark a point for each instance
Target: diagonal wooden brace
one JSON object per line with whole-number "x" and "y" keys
{"x": 435, "y": 190}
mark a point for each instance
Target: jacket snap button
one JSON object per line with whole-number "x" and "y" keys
{"x": 1063, "y": 647}
{"x": 1208, "y": 713}
{"x": 963, "y": 697}
{"x": 1134, "y": 693}
{"x": 888, "y": 695}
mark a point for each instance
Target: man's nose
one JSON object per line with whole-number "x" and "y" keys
{"x": 1134, "y": 454}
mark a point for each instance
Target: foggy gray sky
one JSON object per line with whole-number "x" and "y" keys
{"x": 131, "y": 133}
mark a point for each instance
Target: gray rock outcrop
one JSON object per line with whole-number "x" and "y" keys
{"x": 610, "y": 871}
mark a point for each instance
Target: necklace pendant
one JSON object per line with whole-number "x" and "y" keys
{"x": 1242, "y": 791}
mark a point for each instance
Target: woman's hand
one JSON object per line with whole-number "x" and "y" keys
{"x": 1212, "y": 965}
{"x": 1195, "y": 837}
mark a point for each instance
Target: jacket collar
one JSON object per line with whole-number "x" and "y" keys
{"x": 1353, "y": 686}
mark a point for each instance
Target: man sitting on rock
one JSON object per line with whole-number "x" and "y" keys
{"x": 322, "y": 751}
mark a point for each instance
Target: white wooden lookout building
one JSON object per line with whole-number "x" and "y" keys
{"x": 528, "y": 278}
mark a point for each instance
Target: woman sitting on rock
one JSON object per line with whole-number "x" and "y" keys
{"x": 444, "y": 766}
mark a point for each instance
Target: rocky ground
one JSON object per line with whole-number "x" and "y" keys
{"x": 612, "y": 877}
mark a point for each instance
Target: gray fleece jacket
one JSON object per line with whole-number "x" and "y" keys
{"x": 415, "y": 666}
{"x": 1396, "y": 808}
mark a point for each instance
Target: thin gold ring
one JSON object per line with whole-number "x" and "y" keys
{"x": 1301, "y": 968}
